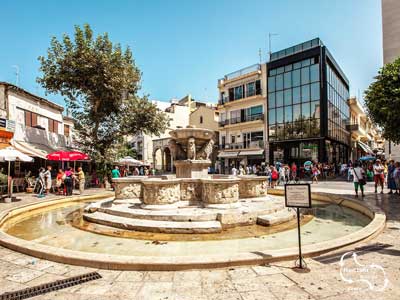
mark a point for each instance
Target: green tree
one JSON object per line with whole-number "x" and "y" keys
{"x": 100, "y": 84}
{"x": 382, "y": 99}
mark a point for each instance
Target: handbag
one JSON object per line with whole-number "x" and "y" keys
{"x": 361, "y": 181}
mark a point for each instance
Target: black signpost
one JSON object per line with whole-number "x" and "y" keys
{"x": 298, "y": 196}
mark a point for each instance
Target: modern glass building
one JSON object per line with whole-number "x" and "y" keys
{"x": 307, "y": 105}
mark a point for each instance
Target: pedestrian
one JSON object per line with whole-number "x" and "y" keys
{"x": 358, "y": 178}
{"x": 68, "y": 181}
{"x": 47, "y": 176}
{"x": 274, "y": 177}
{"x": 41, "y": 182}
{"x": 391, "y": 183}
{"x": 396, "y": 175}
{"x": 379, "y": 176}
{"x": 350, "y": 172}
{"x": 60, "y": 182}
{"x": 81, "y": 179}
{"x": 282, "y": 174}
{"x": 115, "y": 173}
{"x": 315, "y": 173}
{"x": 294, "y": 171}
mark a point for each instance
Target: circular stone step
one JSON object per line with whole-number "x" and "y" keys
{"x": 152, "y": 225}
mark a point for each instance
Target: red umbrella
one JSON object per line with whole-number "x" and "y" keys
{"x": 67, "y": 156}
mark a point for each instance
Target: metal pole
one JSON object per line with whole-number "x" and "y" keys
{"x": 299, "y": 237}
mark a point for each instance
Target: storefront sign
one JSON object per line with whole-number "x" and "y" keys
{"x": 10, "y": 126}
{"x": 298, "y": 195}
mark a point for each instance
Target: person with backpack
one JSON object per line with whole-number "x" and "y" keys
{"x": 358, "y": 178}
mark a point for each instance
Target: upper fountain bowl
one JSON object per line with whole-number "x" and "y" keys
{"x": 181, "y": 135}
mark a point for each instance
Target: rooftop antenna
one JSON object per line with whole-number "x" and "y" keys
{"x": 269, "y": 43}
{"x": 16, "y": 67}
{"x": 260, "y": 55}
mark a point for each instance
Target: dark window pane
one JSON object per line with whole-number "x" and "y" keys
{"x": 287, "y": 80}
{"x": 271, "y": 117}
{"x": 305, "y": 110}
{"x": 287, "y": 95}
{"x": 280, "y": 70}
{"x": 296, "y": 95}
{"x": 271, "y": 84}
{"x": 288, "y": 114}
{"x": 279, "y": 98}
{"x": 296, "y": 112}
{"x": 288, "y": 68}
{"x": 297, "y": 65}
{"x": 315, "y": 91}
{"x": 279, "y": 115}
{"x": 315, "y": 109}
{"x": 271, "y": 100}
{"x": 305, "y": 93}
{"x": 279, "y": 82}
{"x": 306, "y": 62}
{"x": 314, "y": 73}
{"x": 296, "y": 78}
{"x": 305, "y": 75}
{"x": 315, "y": 128}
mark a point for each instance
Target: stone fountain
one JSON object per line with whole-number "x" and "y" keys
{"x": 193, "y": 202}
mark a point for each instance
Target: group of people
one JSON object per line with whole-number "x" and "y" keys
{"x": 64, "y": 181}
{"x": 247, "y": 170}
{"x": 124, "y": 171}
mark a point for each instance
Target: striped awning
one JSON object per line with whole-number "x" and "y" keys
{"x": 365, "y": 147}
{"x": 228, "y": 154}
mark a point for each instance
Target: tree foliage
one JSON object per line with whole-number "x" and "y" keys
{"x": 100, "y": 84}
{"x": 382, "y": 99}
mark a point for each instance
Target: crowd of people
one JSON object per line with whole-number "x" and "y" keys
{"x": 64, "y": 181}
{"x": 381, "y": 173}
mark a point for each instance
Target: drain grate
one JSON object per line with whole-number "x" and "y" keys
{"x": 49, "y": 287}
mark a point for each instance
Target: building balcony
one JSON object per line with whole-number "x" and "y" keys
{"x": 248, "y": 94}
{"x": 238, "y": 120}
{"x": 243, "y": 145}
{"x": 352, "y": 127}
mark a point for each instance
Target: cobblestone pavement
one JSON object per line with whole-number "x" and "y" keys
{"x": 323, "y": 280}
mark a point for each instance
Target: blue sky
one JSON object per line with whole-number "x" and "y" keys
{"x": 185, "y": 46}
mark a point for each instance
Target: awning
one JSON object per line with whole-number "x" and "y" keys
{"x": 365, "y": 147}
{"x": 31, "y": 149}
{"x": 227, "y": 154}
{"x": 251, "y": 152}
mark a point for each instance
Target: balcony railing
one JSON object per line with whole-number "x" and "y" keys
{"x": 242, "y": 72}
{"x": 251, "y": 93}
{"x": 239, "y": 120}
{"x": 243, "y": 145}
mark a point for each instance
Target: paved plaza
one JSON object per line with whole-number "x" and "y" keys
{"x": 325, "y": 279}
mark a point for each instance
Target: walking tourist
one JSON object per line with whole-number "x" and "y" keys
{"x": 350, "y": 172}
{"x": 379, "y": 176}
{"x": 294, "y": 171}
{"x": 358, "y": 178}
{"x": 60, "y": 182}
{"x": 396, "y": 175}
{"x": 315, "y": 173}
{"x": 274, "y": 176}
{"x": 41, "y": 182}
{"x": 115, "y": 173}
{"x": 81, "y": 179}
{"x": 68, "y": 181}
{"x": 47, "y": 176}
{"x": 234, "y": 171}
{"x": 391, "y": 183}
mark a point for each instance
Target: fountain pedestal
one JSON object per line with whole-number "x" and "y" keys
{"x": 192, "y": 168}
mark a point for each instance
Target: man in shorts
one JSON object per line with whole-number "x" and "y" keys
{"x": 379, "y": 176}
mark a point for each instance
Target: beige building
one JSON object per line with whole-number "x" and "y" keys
{"x": 242, "y": 107}
{"x": 365, "y": 137}
{"x": 154, "y": 150}
{"x": 391, "y": 50}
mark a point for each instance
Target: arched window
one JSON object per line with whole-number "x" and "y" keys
{"x": 201, "y": 119}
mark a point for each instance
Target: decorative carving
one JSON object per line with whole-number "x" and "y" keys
{"x": 191, "y": 149}
{"x": 163, "y": 194}
{"x": 206, "y": 150}
{"x": 177, "y": 151}
{"x": 220, "y": 193}
{"x": 252, "y": 188}
{"x": 128, "y": 191}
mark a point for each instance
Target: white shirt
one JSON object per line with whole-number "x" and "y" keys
{"x": 234, "y": 171}
{"x": 357, "y": 174}
{"x": 378, "y": 169}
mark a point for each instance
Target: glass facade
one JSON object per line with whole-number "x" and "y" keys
{"x": 294, "y": 101}
{"x": 338, "y": 109}
{"x": 307, "y": 106}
